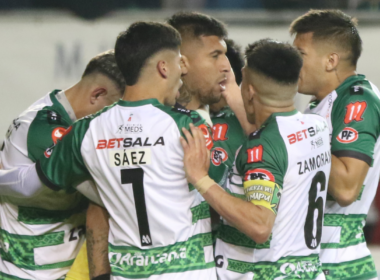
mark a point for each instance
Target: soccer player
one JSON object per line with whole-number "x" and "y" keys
{"x": 40, "y": 236}
{"x": 228, "y": 134}
{"x": 203, "y": 54}
{"x": 330, "y": 45}
{"x": 277, "y": 232}
{"x": 159, "y": 224}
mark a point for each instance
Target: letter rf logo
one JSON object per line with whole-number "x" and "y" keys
{"x": 348, "y": 135}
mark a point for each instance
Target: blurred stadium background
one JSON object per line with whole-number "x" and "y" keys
{"x": 45, "y": 44}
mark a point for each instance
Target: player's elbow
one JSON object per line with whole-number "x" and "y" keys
{"x": 346, "y": 198}
{"x": 261, "y": 233}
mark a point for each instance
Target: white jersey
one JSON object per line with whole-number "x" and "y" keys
{"x": 292, "y": 151}
{"x": 160, "y": 225}
{"x": 39, "y": 236}
{"x": 352, "y": 112}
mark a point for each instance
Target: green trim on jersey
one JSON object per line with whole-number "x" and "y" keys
{"x": 351, "y": 229}
{"x": 233, "y": 236}
{"x": 39, "y": 216}
{"x": 21, "y": 249}
{"x": 274, "y": 157}
{"x": 5, "y": 276}
{"x": 307, "y": 267}
{"x": 41, "y": 128}
{"x": 134, "y": 263}
{"x": 54, "y": 171}
{"x": 227, "y": 133}
{"x": 201, "y": 211}
{"x": 360, "y": 269}
{"x": 355, "y": 107}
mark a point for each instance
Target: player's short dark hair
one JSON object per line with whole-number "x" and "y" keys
{"x": 276, "y": 60}
{"x": 105, "y": 63}
{"x": 236, "y": 59}
{"x": 194, "y": 25}
{"x": 141, "y": 41}
{"x": 333, "y": 26}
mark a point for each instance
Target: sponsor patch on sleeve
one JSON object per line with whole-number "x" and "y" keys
{"x": 347, "y": 135}
{"x": 264, "y": 193}
{"x": 355, "y": 111}
{"x": 207, "y": 135}
{"x": 259, "y": 174}
{"x": 255, "y": 154}
{"x": 218, "y": 155}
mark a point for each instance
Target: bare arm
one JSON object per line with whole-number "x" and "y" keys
{"x": 346, "y": 179}
{"x": 97, "y": 229}
{"x": 255, "y": 221}
{"x": 232, "y": 94}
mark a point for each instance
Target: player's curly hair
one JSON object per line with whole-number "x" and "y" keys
{"x": 331, "y": 26}
{"x": 141, "y": 41}
{"x": 105, "y": 63}
{"x": 276, "y": 60}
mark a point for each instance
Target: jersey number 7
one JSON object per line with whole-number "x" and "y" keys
{"x": 136, "y": 178}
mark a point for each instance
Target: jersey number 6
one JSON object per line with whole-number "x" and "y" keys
{"x": 314, "y": 218}
{"x": 136, "y": 178}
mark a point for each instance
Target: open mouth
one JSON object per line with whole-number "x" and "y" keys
{"x": 222, "y": 84}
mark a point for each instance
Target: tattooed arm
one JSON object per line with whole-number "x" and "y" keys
{"x": 97, "y": 229}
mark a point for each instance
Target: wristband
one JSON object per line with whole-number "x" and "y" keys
{"x": 204, "y": 184}
{"x": 102, "y": 277}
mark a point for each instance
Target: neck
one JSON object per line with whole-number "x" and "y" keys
{"x": 336, "y": 80}
{"x": 216, "y": 107}
{"x": 75, "y": 96}
{"x": 265, "y": 112}
{"x": 194, "y": 104}
{"x": 141, "y": 91}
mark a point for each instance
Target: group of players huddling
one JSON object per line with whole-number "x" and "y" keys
{"x": 288, "y": 192}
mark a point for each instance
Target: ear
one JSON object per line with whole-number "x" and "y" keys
{"x": 163, "y": 69}
{"x": 251, "y": 92}
{"x": 185, "y": 64}
{"x": 332, "y": 61}
{"x": 96, "y": 93}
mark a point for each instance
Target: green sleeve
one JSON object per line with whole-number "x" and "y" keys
{"x": 64, "y": 166}
{"x": 264, "y": 158}
{"x": 355, "y": 122}
{"x": 44, "y": 132}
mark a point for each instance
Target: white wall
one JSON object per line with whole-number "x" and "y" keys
{"x": 45, "y": 52}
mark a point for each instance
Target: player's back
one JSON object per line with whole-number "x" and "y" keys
{"x": 33, "y": 230}
{"x": 291, "y": 150}
{"x": 159, "y": 225}
{"x": 352, "y": 112}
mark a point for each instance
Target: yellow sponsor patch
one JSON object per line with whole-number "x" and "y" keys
{"x": 264, "y": 193}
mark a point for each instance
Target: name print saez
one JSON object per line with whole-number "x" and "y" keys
{"x": 137, "y": 153}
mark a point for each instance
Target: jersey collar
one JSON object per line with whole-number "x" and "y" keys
{"x": 62, "y": 110}
{"x": 152, "y": 101}
{"x": 61, "y": 97}
{"x": 350, "y": 80}
{"x": 280, "y": 114}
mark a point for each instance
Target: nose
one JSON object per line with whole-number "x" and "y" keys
{"x": 225, "y": 65}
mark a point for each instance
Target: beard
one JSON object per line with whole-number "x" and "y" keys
{"x": 186, "y": 94}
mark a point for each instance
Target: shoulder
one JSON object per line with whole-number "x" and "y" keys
{"x": 182, "y": 116}
{"x": 359, "y": 91}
